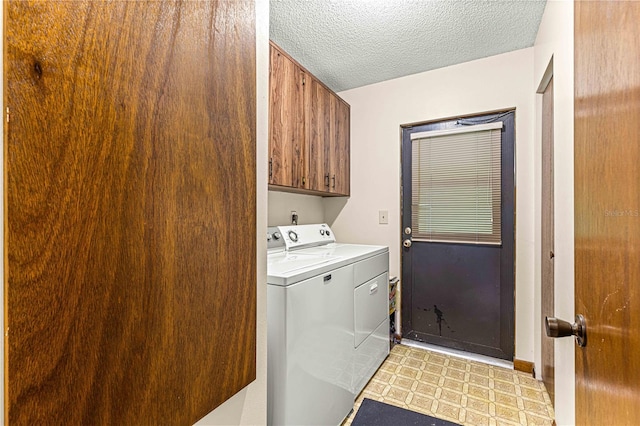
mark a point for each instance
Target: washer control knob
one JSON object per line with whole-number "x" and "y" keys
{"x": 328, "y": 232}
{"x": 277, "y": 236}
{"x": 268, "y": 236}
{"x": 293, "y": 236}
{"x": 322, "y": 232}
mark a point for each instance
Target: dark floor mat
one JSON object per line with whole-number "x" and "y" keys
{"x": 374, "y": 413}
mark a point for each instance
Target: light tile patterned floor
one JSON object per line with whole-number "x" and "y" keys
{"x": 458, "y": 390}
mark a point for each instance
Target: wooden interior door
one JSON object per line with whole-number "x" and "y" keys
{"x": 547, "y": 240}
{"x": 607, "y": 210}
{"x": 130, "y": 168}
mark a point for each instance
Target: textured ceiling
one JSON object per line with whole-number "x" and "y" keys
{"x": 352, "y": 43}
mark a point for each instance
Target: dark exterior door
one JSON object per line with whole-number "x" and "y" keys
{"x": 461, "y": 295}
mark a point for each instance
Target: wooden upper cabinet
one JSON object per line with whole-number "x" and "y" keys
{"x": 318, "y": 106}
{"x": 339, "y": 152}
{"x": 287, "y": 152}
{"x": 309, "y": 131}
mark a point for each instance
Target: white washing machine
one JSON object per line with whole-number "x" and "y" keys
{"x": 328, "y": 323}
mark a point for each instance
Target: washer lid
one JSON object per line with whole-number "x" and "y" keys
{"x": 287, "y": 268}
{"x": 355, "y": 252}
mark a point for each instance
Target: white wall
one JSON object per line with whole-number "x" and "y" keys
{"x": 377, "y": 111}
{"x": 309, "y": 208}
{"x": 555, "y": 39}
{"x": 249, "y": 406}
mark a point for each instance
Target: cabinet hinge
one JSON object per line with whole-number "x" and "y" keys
{"x": 304, "y": 81}
{"x": 7, "y": 114}
{"x": 270, "y": 168}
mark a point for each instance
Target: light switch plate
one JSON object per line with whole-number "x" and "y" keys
{"x": 383, "y": 217}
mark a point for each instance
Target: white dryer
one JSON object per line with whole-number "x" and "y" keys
{"x": 328, "y": 323}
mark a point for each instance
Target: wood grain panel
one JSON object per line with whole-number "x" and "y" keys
{"x": 524, "y": 366}
{"x": 330, "y": 143}
{"x": 547, "y": 240}
{"x": 318, "y": 107}
{"x": 339, "y": 167}
{"x": 130, "y": 168}
{"x": 607, "y": 210}
{"x": 287, "y": 146}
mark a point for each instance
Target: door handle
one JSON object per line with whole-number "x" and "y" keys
{"x": 407, "y": 243}
{"x": 559, "y": 328}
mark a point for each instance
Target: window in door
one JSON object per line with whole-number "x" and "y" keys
{"x": 456, "y": 193}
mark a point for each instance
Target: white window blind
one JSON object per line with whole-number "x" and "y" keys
{"x": 456, "y": 185}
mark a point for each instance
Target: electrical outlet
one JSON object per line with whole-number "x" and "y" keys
{"x": 294, "y": 217}
{"x": 383, "y": 217}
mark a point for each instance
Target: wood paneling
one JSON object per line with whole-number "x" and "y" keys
{"x": 607, "y": 210}
{"x": 547, "y": 240}
{"x": 130, "y": 169}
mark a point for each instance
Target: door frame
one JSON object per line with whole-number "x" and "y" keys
{"x": 547, "y": 292}
{"x": 401, "y": 314}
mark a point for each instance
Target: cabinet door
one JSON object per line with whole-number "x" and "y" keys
{"x": 287, "y": 150}
{"x": 130, "y": 164}
{"x": 339, "y": 165}
{"x": 318, "y": 107}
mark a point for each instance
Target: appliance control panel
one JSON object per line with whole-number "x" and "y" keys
{"x": 300, "y": 236}
{"x": 274, "y": 238}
